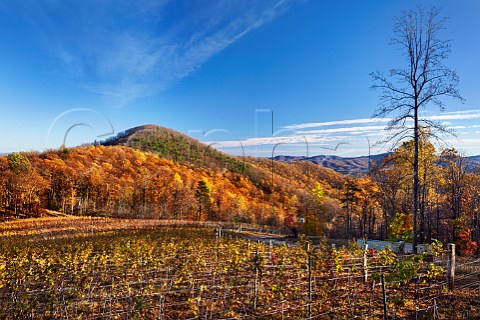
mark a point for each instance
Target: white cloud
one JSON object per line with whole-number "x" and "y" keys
{"x": 339, "y": 122}
{"x": 457, "y": 115}
{"x": 319, "y": 140}
{"x": 348, "y": 130}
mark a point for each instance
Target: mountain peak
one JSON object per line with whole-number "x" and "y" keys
{"x": 175, "y": 146}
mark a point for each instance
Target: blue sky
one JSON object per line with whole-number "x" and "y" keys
{"x": 219, "y": 71}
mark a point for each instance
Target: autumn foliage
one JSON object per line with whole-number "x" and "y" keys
{"x": 124, "y": 182}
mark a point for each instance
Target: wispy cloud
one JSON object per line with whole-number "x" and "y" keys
{"x": 337, "y": 123}
{"x": 349, "y": 130}
{"x": 318, "y": 140}
{"x": 456, "y": 115}
{"x": 359, "y": 135}
{"x": 130, "y": 49}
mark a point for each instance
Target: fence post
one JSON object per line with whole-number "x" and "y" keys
{"x": 309, "y": 306}
{"x": 161, "y": 303}
{"x": 451, "y": 266}
{"x": 365, "y": 265}
{"x": 270, "y": 247}
{"x": 384, "y": 293}
{"x": 255, "y": 288}
{"x": 435, "y": 309}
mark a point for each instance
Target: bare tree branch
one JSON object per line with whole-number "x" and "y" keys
{"x": 423, "y": 82}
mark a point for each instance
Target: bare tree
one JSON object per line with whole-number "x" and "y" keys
{"x": 424, "y": 81}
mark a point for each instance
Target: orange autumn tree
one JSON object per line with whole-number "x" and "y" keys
{"x": 368, "y": 196}
{"x": 465, "y": 242}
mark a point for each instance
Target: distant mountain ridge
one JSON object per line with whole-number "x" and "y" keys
{"x": 354, "y": 166}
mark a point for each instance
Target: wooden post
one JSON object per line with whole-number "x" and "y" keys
{"x": 255, "y": 288}
{"x": 161, "y": 303}
{"x": 365, "y": 265}
{"x": 384, "y": 293}
{"x": 451, "y": 266}
{"x": 435, "y": 309}
{"x": 309, "y": 306}
{"x": 270, "y": 247}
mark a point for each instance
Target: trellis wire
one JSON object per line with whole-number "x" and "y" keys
{"x": 313, "y": 290}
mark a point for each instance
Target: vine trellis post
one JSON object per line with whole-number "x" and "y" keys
{"x": 365, "y": 263}
{"x": 451, "y": 266}
{"x": 309, "y": 262}
{"x": 384, "y": 294}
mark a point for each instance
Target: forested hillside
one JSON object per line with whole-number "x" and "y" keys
{"x": 173, "y": 145}
{"x": 121, "y": 181}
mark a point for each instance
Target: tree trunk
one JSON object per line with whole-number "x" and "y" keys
{"x": 415, "y": 181}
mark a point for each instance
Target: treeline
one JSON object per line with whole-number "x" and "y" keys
{"x": 449, "y": 198}
{"x": 448, "y": 195}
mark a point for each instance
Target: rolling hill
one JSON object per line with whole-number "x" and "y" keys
{"x": 175, "y": 146}
{"x": 182, "y": 149}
